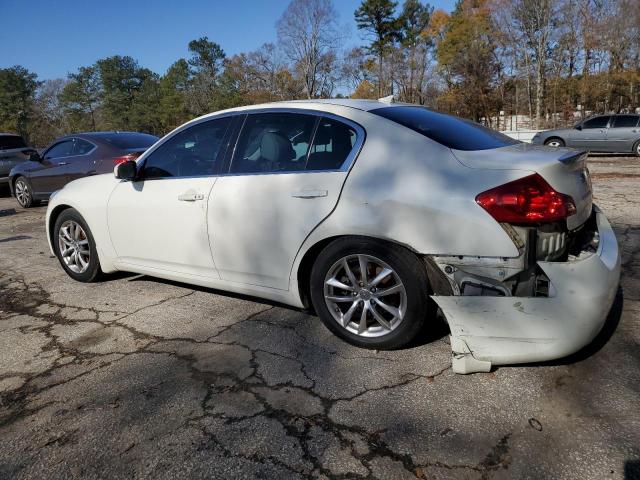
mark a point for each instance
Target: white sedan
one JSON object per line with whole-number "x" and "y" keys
{"x": 365, "y": 211}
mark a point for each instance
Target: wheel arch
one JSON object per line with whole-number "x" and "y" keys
{"x": 53, "y": 216}
{"x": 554, "y": 137}
{"x": 303, "y": 274}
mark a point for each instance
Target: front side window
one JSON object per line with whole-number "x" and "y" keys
{"x": 273, "y": 142}
{"x": 192, "y": 152}
{"x": 60, "y": 150}
{"x": 597, "y": 122}
{"x": 625, "y": 121}
{"x": 82, "y": 147}
{"x": 332, "y": 144}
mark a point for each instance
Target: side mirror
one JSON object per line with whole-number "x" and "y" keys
{"x": 578, "y": 127}
{"x": 126, "y": 170}
{"x": 35, "y": 157}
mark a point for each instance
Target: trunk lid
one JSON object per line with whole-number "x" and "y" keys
{"x": 564, "y": 169}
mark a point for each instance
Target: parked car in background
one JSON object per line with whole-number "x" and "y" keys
{"x": 13, "y": 151}
{"x": 363, "y": 210}
{"x": 72, "y": 157}
{"x": 602, "y": 133}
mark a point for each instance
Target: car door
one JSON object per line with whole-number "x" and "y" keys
{"x": 591, "y": 134}
{"x": 51, "y": 174}
{"x": 158, "y": 222}
{"x": 82, "y": 163}
{"x": 623, "y": 133}
{"x": 284, "y": 178}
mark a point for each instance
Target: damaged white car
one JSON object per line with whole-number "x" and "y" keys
{"x": 364, "y": 211}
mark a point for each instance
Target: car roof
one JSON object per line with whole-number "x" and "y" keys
{"x": 100, "y": 135}
{"x": 6, "y": 134}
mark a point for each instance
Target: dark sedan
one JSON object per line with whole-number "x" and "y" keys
{"x": 72, "y": 157}
{"x": 602, "y": 133}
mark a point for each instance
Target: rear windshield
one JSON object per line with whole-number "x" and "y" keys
{"x": 8, "y": 142}
{"x": 452, "y": 132}
{"x": 127, "y": 141}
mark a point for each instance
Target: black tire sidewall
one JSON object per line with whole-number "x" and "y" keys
{"x": 93, "y": 271}
{"x": 408, "y": 267}
{"x": 26, "y": 181}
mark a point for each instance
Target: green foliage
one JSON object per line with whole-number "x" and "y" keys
{"x": 378, "y": 18}
{"x": 17, "y": 96}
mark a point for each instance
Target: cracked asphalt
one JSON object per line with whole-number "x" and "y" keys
{"x": 136, "y": 377}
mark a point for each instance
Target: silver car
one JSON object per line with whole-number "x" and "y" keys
{"x": 602, "y": 133}
{"x": 371, "y": 214}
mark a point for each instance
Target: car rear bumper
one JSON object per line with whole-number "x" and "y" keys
{"x": 489, "y": 331}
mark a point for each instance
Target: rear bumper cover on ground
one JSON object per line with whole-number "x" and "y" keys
{"x": 489, "y": 331}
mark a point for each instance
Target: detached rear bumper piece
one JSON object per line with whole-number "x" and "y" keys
{"x": 488, "y": 331}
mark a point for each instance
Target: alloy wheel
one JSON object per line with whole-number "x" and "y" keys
{"x": 23, "y": 194}
{"x": 365, "y": 295}
{"x": 554, "y": 143}
{"x": 73, "y": 245}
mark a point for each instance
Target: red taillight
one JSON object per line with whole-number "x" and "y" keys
{"x": 125, "y": 158}
{"x": 526, "y": 200}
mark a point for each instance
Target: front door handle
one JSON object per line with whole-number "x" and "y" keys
{"x": 190, "y": 197}
{"x": 309, "y": 193}
{"x": 63, "y": 163}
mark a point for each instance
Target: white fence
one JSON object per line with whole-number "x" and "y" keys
{"x": 522, "y": 135}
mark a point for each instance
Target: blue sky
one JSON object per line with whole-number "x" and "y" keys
{"x": 55, "y": 37}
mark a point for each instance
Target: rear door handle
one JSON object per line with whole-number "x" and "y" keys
{"x": 309, "y": 193}
{"x": 190, "y": 197}
{"x": 63, "y": 163}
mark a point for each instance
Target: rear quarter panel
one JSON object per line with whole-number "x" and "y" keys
{"x": 408, "y": 189}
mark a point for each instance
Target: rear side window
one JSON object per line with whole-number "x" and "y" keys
{"x": 273, "y": 142}
{"x": 9, "y": 142}
{"x": 447, "y": 130}
{"x": 625, "y": 121}
{"x": 82, "y": 147}
{"x": 597, "y": 122}
{"x": 332, "y": 144}
{"x": 192, "y": 152}
{"x": 126, "y": 141}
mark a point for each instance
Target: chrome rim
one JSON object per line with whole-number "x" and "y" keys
{"x": 22, "y": 192}
{"x": 365, "y": 295}
{"x": 74, "y": 246}
{"x": 554, "y": 143}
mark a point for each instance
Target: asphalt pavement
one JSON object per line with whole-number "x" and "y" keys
{"x": 136, "y": 377}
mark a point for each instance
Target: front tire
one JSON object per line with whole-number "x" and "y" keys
{"x": 554, "y": 142}
{"x": 75, "y": 247}
{"x": 370, "y": 293}
{"x": 24, "y": 192}
{"x": 636, "y": 148}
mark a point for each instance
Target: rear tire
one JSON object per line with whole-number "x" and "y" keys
{"x": 554, "y": 142}
{"x": 384, "y": 309}
{"x": 75, "y": 247}
{"x": 636, "y": 148}
{"x": 23, "y": 192}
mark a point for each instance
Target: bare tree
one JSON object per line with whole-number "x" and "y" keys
{"x": 309, "y": 35}
{"x": 534, "y": 18}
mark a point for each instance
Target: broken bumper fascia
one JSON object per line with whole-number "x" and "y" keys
{"x": 488, "y": 331}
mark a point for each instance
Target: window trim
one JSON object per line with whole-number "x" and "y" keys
{"x": 319, "y": 114}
